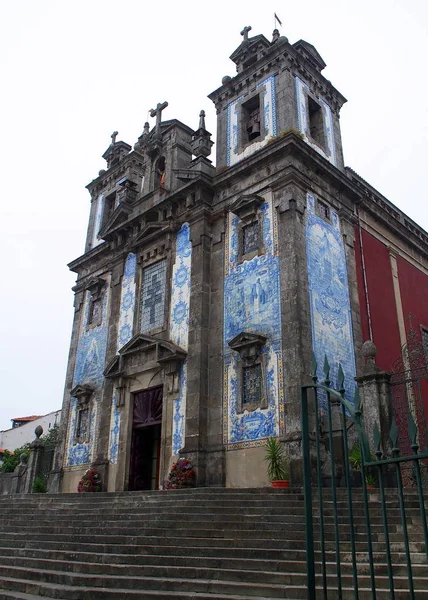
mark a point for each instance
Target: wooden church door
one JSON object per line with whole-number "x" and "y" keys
{"x": 146, "y": 440}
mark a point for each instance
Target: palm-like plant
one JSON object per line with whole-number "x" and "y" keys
{"x": 277, "y": 464}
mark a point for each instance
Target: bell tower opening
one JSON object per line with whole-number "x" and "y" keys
{"x": 251, "y": 115}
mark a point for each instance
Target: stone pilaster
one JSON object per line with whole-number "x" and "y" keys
{"x": 375, "y": 391}
{"x": 197, "y": 362}
{"x": 295, "y": 316}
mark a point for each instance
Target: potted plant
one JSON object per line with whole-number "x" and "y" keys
{"x": 182, "y": 475}
{"x": 277, "y": 463}
{"x": 370, "y": 482}
{"x": 90, "y": 482}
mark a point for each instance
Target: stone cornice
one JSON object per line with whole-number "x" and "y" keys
{"x": 384, "y": 210}
{"x": 290, "y": 145}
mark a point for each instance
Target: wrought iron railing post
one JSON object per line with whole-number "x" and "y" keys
{"x": 341, "y": 379}
{"x": 378, "y": 453}
{"x": 395, "y": 453}
{"x": 307, "y": 491}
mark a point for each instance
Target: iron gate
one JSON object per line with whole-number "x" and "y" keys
{"x": 358, "y": 538}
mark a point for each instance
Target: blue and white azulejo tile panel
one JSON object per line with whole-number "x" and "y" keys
{"x": 89, "y": 368}
{"x": 180, "y": 289}
{"x": 179, "y": 417}
{"x": 252, "y": 304}
{"x": 179, "y": 325}
{"x": 303, "y": 117}
{"x": 97, "y": 221}
{"x": 114, "y": 429}
{"x": 127, "y": 302}
{"x": 233, "y": 152}
{"x": 329, "y": 296}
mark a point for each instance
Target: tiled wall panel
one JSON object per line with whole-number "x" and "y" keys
{"x": 127, "y": 302}
{"x": 252, "y": 304}
{"x": 89, "y": 368}
{"x": 329, "y": 296}
{"x": 179, "y": 325}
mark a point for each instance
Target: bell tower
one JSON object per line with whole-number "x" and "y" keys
{"x": 279, "y": 87}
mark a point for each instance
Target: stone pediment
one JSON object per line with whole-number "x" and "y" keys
{"x": 248, "y": 344}
{"x": 151, "y": 230}
{"x": 116, "y": 220}
{"x": 144, "y": 352}
{"x": 310, "y": 53}
{"x": 82, "y": 390}
{"x": 250, "y": 51}
{"x": 246, "y": 207}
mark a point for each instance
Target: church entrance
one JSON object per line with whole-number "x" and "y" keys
{"x": 146, "y": 439}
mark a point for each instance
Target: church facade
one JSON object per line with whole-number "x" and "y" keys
{"x": 204, "y": 291}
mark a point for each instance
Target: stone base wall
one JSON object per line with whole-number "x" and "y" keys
{"x": 246, "y": 468}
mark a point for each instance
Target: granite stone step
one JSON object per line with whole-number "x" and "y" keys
{"x": 224, "y": 544}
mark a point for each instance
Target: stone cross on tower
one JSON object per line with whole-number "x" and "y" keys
{"x": 157, "y": 112}
{"x": 113, "y": 137}
{"x": 245, "y": 31}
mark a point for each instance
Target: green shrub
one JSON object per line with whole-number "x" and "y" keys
{"x": 40, "y": 485}
{"x": 11, "y": 459}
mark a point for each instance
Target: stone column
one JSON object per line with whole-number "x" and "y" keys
{"x": 295, "y": 316}
{"x": 35, "y": 460}
{"x": 375, "y": 391}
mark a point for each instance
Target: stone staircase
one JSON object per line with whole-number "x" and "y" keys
{"x": 201, "y": 544}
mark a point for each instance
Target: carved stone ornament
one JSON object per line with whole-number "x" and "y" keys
{"x": 246, "y": 207}
{"x": 248, "y": 345}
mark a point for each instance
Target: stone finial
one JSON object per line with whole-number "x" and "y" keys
{"x": 146, "y": 129}
{"x": 226, "y": 79}
{"x": 113, "y": 137}
{"x": 369, "y": 351}
{"x": 23, "y": 459}
{"x": 202, "y": 120}
{"x": 38, "y": 431}
{"x": 275, "y": 35}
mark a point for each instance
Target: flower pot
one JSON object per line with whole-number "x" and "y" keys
{"x": 280, "y": 483}
{"x": 371, "y": 487}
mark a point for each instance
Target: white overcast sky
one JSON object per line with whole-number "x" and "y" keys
{"x": 73, "y": 72}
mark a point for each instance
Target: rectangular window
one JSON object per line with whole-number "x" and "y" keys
{"x": 252, "y": 384}
{"x": 316, "y": 122}
{"x": 323, "y": 210}
{"x": 152, "y": 311}
{"x": 250, "y": 237}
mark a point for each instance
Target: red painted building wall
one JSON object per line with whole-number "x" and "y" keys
{"x": 414, "y": 298}
{"x": 378, "y": 298}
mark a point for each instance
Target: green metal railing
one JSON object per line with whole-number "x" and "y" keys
{"x": 328, "y": 419}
